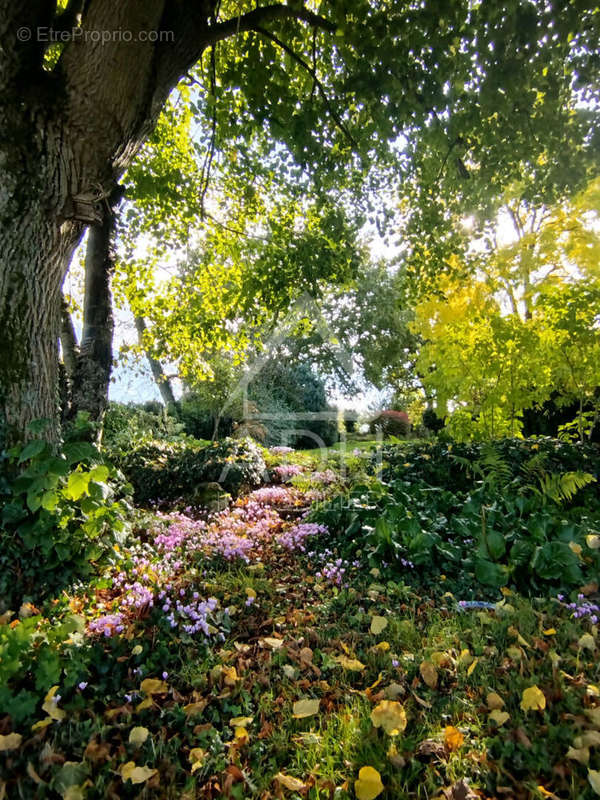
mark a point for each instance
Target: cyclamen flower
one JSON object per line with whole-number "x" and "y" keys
{"x": 108, "y": 625}
{"x": 286, "y": 471}
{"x": 281, "y": 450}
{"x": 294, "y": 538}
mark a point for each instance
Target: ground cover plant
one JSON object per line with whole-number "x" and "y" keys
{"x": 251, "y": 653}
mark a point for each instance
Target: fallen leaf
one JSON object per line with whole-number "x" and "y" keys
{"x": 594, "y": 780}
{"x": 383, "y": 646}
{"x": 305, "y": 708}
{"x": 236, "y": 722}
{"x": 43, "y": 723}
{"x": 549, "y": 632}
{"x": 153, "y": 686}
{"x": 587, "y": 642}
{"x": 378, "y": 624}
{"x": 146, "y": 703}
{"x": 230, "y": 676}
{"x": 289, "y": 782}
{"x": 453, "y": 738}
{"x": 271, "y": 642}
{"x": 581, "y": 754}
{"x": 240, "y": 734}
{"x": 195, "y": 708}
{"x": 429, "y": 674}
{"x": 494, "y": 701}
{"x": 10, "y": 742}
{"x": 197, "y": 756}
{"x": 499, "y": 717}
{"x": 353, "y": 664}
{"x": 369, "y": 785}
{"x": 588, "y": 739}
{"x": 389, "y": 715}
{"x": 50, "y": 705}
{"x": 533, "y": 699}
{"x": 129, "y": 772}
{"x": 460, "y": 791}
{"x": 138, "y": 736}
{"x": 137, "y": 650}
{"x": 472, "y": 666}
{"x": 593, "y": 541}
{"x": 33, "y": 775}
{"x": 593, "y": 714}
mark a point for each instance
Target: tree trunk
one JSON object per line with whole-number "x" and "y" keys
{"x": 68, "y": 342}
{"x": 92, "y": 372}
{"x": 161, "y": 380}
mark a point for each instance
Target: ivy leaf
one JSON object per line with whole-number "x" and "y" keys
{"x": 453, "y": 738}
{"x": 369, "y": 785}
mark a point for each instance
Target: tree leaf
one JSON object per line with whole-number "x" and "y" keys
{"x": 352, "y": 664}
{"x": 389, "y": 715}
{"x": 305, "y": 708}
{"x": 129, "y": 772}
{"x": 453, "y": 738}
{"x": 197, "y": 757}
{"x": 499, "y": 717}
{"x": 10, "y": 742}
{"x": 289, "y": 782}
{"x": 378, "y": 624}
{"x": 369, "y": 785}
{"x": 494, "y": 701}
{"x": 594, "y": 780}
{"x": 138, "y": 736}
{"x": 533, "y": 699}
{"x": 152, "y": 686}
{"x": 429, "y": 674}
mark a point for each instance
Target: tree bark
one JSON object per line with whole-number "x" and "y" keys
{"x": 93, "y": 367}
{"x": 161, "y": 380}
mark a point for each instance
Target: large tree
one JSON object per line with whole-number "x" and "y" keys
{"x": 82, "y": 83}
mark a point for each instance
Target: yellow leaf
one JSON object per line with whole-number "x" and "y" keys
{"x": 576, "y": 548}
{"x": 499, "y": 717}
{"x": 592, "y": 690}
{"x": 271, "y": 642}
{"x": 146, "y": 703}
{"x": 137, "y": 650}
{"x": 465, "y": 658}
{"x": 588, "y": 739}
{"x": 383, "y": 646}
{"x": 129, "y": 772}
{"x": 594, "y": 780}
{"x": 472, "y": 666}
{"x": 305, "y": 708}
{"x": 369, "y": 785}
{"x": 293, "y": 784}
{"x": 453, "y": 738}
{"x": 50, "y": 705}
{"x": 378, "y": 624}
{"x": 138, "y": 736}
{"x": 236, "y": 722}
{"x": 195, "y": 708}
{"x": 581, "y": 754}
{"x": 441, "y": 660}
{"x": 353, "y": 664}
{"x": 533, "y": 699}
{"x": 10, "y": 742}
{"x": 494, "y": 701}
{"x": 230, "y": 676}
{"x": 429, "y": 674}
{"x": 250, "y": 592}
{"x": 197, "y": 756}
{"x": 543, "y": 791}
{"x": 153, "y": 686}
{"x": 587, "y": 642}
{"x": 549, "y": 632}
{"x": 593, "y": 714}
{"x": 43, "y": 723}
{"x": 389, "y": 715}
{"x": 240, "y": 733}
{"x": 593, "y": 541}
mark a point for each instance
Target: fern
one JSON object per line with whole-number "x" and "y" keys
{"x": 494, "y": 467}
{"x": 562, "y": 488}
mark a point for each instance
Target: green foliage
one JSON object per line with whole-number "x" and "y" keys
{"x": 125, "y": 426}
{"x": 163, "y": 472}
{"x": 293, "y": 400}
{"x": 59, "y": 520}
{"x": 474, "y": 514}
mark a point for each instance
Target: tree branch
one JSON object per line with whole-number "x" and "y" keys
{"x": 335, "y": 116}
{"x": 259, "y": 16}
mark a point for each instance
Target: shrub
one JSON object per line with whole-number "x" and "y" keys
{"x": 60, "y": 518}
{"x": 125, "y": 425}
{"x": 431, "y": 420}
{"x": 391, "y": 423}
{"x": 164, "y": 471}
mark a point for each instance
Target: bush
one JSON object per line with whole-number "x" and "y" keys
{"x": 524, "y": 514}
{"x": 431, "y": 421}
{"x": 60, "y": 518}
{"x": 165, "y": 471}
{"x": 126, "y": 425}
{"x": 391, "y": 423}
